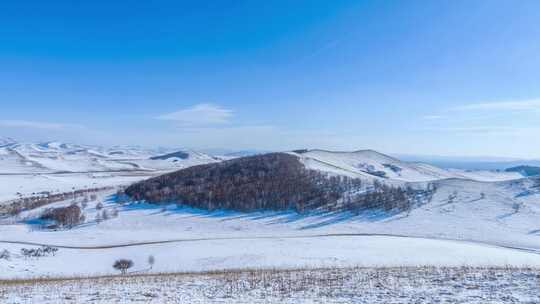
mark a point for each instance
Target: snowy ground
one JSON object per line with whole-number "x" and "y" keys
{"x": 28, "y": 184}
{"x": 187, "y": 239}
{"x": 317, "y": 251}
{"x": 468, "y": 222}
{"x": 351, "y": 285}
{"x": 370, "y": 165}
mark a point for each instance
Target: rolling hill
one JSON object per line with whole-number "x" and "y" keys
{"x": 54, "y": 157}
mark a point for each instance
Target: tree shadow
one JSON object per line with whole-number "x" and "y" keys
{"x": 313, "y": 218}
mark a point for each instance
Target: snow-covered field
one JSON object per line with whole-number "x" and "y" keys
{"x": 11, "y": 186}
{"x": 187, "y": 239}
{"x": 349, "y": 285}
{"x": 482, "y": 219}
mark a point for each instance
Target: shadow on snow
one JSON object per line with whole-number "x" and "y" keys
{"x": 313, "y": 219}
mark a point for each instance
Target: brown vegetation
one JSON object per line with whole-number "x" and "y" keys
{"x": 275, "y": 181}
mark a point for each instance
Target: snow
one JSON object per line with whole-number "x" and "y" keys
{"x": 368, "y": 164}
{"x": 477, "y": 218}
{"x": 350, "y": 285}
{"x": 374, "y": 251}
{"x": 29, "y": 184}
{"x": 57, "y": 156}
{"x": 469, "y": 231}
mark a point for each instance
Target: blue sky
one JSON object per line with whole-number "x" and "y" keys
{"x": 417, "y": 77}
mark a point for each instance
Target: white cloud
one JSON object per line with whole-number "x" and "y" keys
{"x": 10, "y": 123}
{"x": 518, "y": 105}
{"x": 200, "y": 115}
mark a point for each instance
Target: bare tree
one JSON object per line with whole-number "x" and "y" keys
{"x": 99, "y": 218}
{"x": 105, "y": 215}
{"x": 151, "y": 261}
{"x": 123, "y": 265}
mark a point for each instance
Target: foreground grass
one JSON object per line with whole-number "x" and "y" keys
{"x": 328, "y": 285}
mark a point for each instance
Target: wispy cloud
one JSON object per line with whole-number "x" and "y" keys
{"x": 200, "y": 115}
{"x": 11, "y": 123}
{"x": 485, "y": 129}
{"x": 502, "y": 118}
{"x": 433, "y": 117}
{"x": 518, "y": 105}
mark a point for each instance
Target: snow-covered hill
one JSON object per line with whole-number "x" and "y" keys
{"x": 6, "y": 141}
{"x": 372, "y": 165}
{"x": 50, "y": 157}
{"x": 473, "y": 218}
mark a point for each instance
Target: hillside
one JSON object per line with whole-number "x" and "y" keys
{"x": 52, "y": 157}
{"x": 305, "y": 179}
{"x": 525, "y": 170}
{"x": 372, "y": 165}
{"x": 271, "y": 181}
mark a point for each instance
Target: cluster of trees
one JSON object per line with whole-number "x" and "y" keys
{"x": 28, "y": 203}
{"x": 275, "y": 181}
{"x": 39, "y": 252}
{"x": 64, "y": 216}
{"x": 104, "y": 214}
{"x": 272, "y": 181}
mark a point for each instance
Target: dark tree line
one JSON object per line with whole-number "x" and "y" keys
{"x": 275, "y": 181}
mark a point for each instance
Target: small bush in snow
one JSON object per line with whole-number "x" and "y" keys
{"x": 123, "y": 265}
{"x": 5, "y": 254}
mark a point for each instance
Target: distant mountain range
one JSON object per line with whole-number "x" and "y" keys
{"x": 470, "y": 163}
{"x": 47, "y": 157}
{"x": 19, "y": 157}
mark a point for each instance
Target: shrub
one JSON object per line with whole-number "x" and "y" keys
{"x": 123, "y": 265}
{"x": 5, "y": 254}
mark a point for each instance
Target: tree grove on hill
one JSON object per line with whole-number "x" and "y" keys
{"x": 275, "y": 181}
